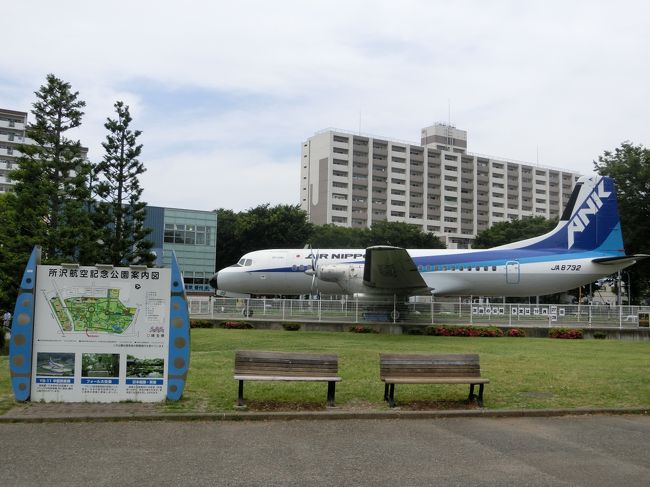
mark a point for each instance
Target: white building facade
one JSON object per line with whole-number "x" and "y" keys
{"x": 354, "y": 180}
{"x": 12, "y": 132}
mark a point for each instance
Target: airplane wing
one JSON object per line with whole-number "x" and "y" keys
{"x": 391, "y": 268}
{"x": 623, "y": 259}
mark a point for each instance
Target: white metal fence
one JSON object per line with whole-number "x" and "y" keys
{"x": 423, "y": 313}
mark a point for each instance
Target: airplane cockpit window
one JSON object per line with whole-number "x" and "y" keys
{"x": 241, "y": 261}
{"x": 248, "y": 262}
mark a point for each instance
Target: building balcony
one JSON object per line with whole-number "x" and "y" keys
{"x": 10, "y": 152}
{"x": 4, "y": 124}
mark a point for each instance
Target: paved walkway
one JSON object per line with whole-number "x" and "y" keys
{"x": 564, "y": 451}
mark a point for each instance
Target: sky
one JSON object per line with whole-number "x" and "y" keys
{"x": 226, "y": 92}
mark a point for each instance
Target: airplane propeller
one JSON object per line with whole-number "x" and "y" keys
{"x": 314, "y": 270}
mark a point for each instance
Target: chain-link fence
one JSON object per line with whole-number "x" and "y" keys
{"x": 422, "y": 313}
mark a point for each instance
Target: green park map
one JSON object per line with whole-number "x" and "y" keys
{"x": 96, "y": 314}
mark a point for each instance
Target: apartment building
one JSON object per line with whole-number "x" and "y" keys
{"x": 354, "y": 180}
{"x": 12, "y": 132}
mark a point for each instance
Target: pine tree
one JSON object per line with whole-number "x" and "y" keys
{"x": 51, "y": 182}
{"x": 125, "y": 237}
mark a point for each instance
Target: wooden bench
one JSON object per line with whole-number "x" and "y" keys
{"x": 283, "y": 366}
{"x": 430, "y": 369}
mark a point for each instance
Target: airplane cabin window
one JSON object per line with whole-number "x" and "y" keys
{"x": 485, "y": 268}
{"x": 494, "y": 268}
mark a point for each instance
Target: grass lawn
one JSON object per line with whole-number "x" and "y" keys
{"x": 524, "y": 372}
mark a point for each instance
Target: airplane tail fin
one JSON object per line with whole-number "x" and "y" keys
{"x": 590, "y": 221}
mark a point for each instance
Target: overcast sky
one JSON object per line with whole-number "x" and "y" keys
{"x": 225, "y": 92}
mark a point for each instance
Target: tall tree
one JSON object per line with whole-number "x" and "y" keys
{"x": 12, "y": 261}
{"x": 401, "y": 234}
{"x": 118, "y": 187}
{"x": 502, "y": 233}
{"x": 51, "y": 182}
{"x": 629, "y": 166}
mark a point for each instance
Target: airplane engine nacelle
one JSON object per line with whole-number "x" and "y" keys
{"x": 349, "y": 277}
{"x": 332, "y": 272}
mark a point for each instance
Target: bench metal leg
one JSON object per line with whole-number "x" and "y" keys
{"x": 391, "y": 395}
{"x": 386, "y": 392}
{"x": 331, "y": 393}
{"x": 471, "y": 396}
{"x": 240, "y": 394}
{"x": 480, "y": 395}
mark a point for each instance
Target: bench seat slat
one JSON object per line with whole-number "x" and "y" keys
{"x": 435, "y": 380}
{"x": 303, "y": 378}
{"x": 291, "y": 373}
{"x": 288, "y": 356}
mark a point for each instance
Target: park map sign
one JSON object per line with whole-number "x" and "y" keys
{"x": 99, "y": 334}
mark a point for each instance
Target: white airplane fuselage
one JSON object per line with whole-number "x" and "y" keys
{"x": 282, "y": 272}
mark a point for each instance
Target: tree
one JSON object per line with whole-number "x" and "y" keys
{"x": 12, "y": 261}
{"x": 262, "y": 227}
{"x": 502, "y": 233}
{"x": 401, "y": 234}
{"x": 51, "y": 182}
{"x": 629, "y": 166}
{"x": 120, "y": 210}
{"x": 334, "y": 236}
{"x": 227, "y": 250}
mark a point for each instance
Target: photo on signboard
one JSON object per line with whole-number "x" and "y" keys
{"x": 100, "y": 365}
{"x": 56, "y": 364}
{"x": 144, "y": 367}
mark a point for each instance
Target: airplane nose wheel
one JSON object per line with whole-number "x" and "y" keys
{"x": 247, "y": 312}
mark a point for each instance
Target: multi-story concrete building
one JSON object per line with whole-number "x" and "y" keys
{"x": 12, "y": 132}
{"x": 13, "y": 125}
{"x": 354, "y": 180}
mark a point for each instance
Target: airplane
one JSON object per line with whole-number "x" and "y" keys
{"x": 57, "y": 368}
{"x": 586, "y": 245}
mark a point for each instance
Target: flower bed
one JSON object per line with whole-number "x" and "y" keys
{"x": 236, "y": 325}
{"x": 464, "y": 331}
{"x": 566, "y": 333}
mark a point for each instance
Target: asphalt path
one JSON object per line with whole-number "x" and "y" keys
{"x": 556, "y": 451}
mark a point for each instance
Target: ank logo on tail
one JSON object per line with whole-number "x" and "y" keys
{"x": 582, "y": 217}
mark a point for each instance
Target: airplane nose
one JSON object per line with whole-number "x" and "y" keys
{"x": 213, "y": 281}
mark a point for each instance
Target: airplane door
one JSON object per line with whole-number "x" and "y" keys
{"x": 512, "y": 272}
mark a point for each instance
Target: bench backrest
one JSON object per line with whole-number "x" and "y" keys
{"x": 252, "y": 362}
{"x": 420, "y": 366}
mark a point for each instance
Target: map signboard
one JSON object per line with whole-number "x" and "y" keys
{"x": 101, "y": 334}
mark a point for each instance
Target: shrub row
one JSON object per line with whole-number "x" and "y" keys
{"x": 363, "y": 329}
{"x": 201, "y": 324}
{"x": 236, "y": 325}
{"x": 567, "y": 333}
{"x": 463, "y": 331}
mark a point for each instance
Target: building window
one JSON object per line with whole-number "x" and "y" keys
{"x": 187, "y": 234}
